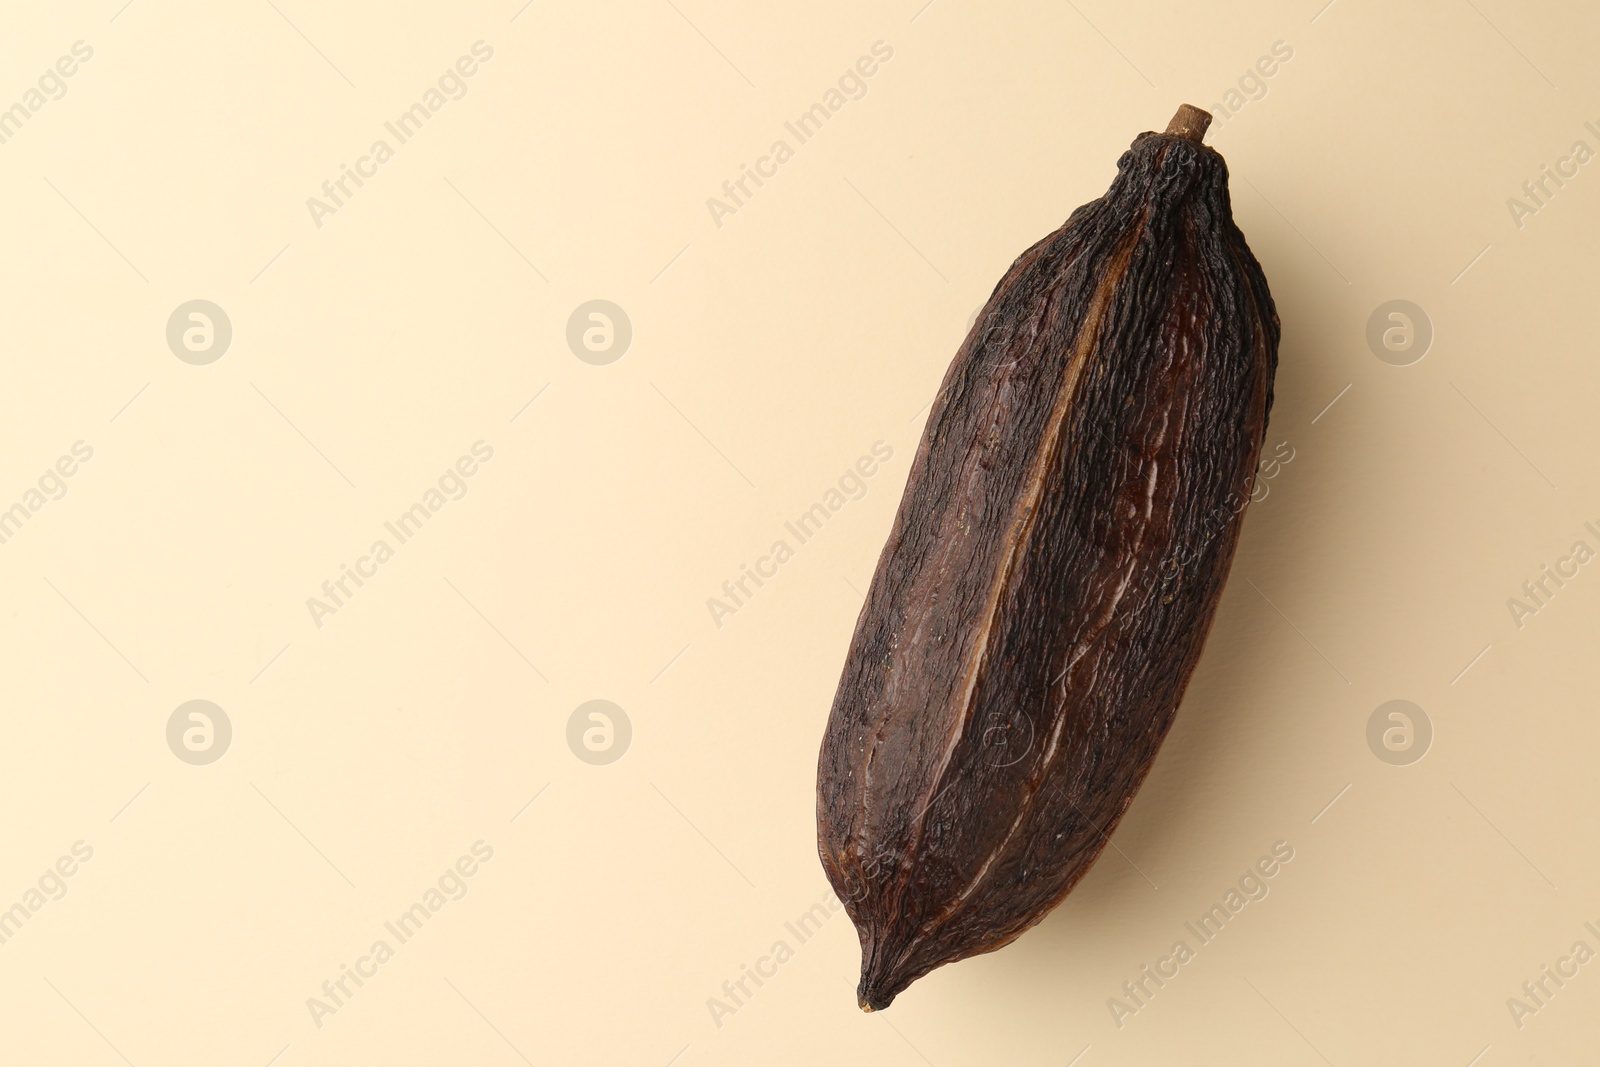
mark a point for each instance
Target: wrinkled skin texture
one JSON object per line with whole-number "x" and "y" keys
{"x": 1056, "y": 561}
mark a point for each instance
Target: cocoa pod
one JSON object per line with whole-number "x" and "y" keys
{"x": 1066, "y": 529}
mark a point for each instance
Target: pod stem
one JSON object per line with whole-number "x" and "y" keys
{"x": 1189, "y": 122}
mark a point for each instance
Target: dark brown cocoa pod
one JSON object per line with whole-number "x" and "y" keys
{"x": 1066, "y": 529}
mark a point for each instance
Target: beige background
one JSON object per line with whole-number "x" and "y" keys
{"x": 372, "y": 351}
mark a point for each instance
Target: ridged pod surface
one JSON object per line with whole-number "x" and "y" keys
{"x": 1066, "y": 530}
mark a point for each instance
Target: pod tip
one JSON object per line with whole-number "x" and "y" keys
{"x": 1189, "y": 122}
{"x": 869, "y": 999}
